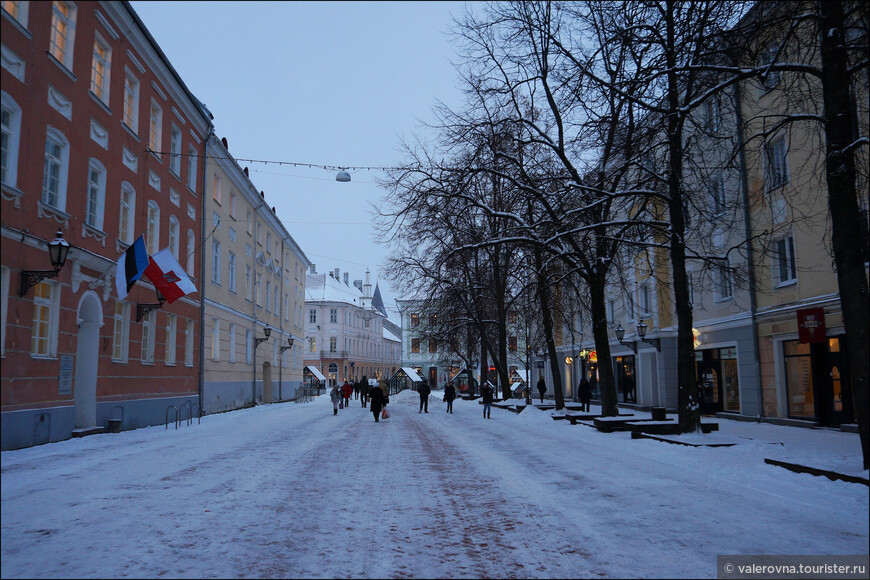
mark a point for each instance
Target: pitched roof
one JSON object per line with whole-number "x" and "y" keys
{"x": 325, "y": 288}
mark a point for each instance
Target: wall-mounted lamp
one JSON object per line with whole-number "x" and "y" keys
{"x": 257, "y": 340}
{"x": 289, "y": 344}
{"x": 620, "y": 332}
{"x": 58, "y": 249}
{"x": 143, "y": 309}
{"x": 641, "y": 332}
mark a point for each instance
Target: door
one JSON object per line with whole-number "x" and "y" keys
{"x": 833, "y": 393}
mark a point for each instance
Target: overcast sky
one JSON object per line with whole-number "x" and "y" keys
{"x": 325, "y": 83}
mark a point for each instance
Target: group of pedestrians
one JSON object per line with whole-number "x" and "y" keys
{"x": 375, "y": 397}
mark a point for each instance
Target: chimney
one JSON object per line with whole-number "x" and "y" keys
{"x": 246, "y": 172}
{"x": 337, "y": 276}
{"x": 358, "y": 284}
{"x": 314, "y": 268}
{"x": 346, "y": 277}
{"x": 224, "y": 141}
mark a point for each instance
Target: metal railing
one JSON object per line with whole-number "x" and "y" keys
{"x": 179, "y": 413}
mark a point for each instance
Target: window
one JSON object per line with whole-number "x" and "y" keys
{"x": 268, "y": 295}
{"x": 152, "y": 231}
{"x": 275, "y": 301}
{"x": 769, "y": 78}
{"x": 777, "y": 167}
{"x": 433, "y": 345}
{"x": 63, "y": 17}
{"x": 512, "y": 343}
{"x": 128, "y": 211}
{"x": 17, "y": 10}
{"x": 312, "y": 315}
{"x": 691, "y": 284}
{"x": 191, "y": 168}
{"x": 216, "y": 261}
{"x": 249, "y": 346}
{"x": 785, "y": 260}
{"x": 233, "y": 205}
{"x": 643, "y": 299}
{"x": 249, "y": 222}
{"x": 191, "y": 251}
{"x": 257, "y": 289}
{"x": 188, "y": 343}
{"x": 248, "y": 282}
{"x": 96, "y": 197}
{"x": 216, "y": 189}
{"x": 215, "y": 342}
{"x": 131, "y": 102}
{"x": 175, "y": 151}
{"x": 415, "y": 320}
{"x": 333, "y": 315}
{"x": 433, "y": 319}
{"x": 54, "y": 176}
{"x": 11, "y": 135}
{"x": 312, "y": 344}
{"x": 333, "y": 344}
{"x": 415, "y": 345}
{"x": 45, "y": 317}
{"x": 512, "y": 316}
{"x": 723, "y": 281}
{"x": 232, "y": 342}
{"x": 171, "y": 329}
{"x": 121, "y": 333}
{"x": 174, "y": 235}
{"x": 231, "y": 272}
{"x": 269, "y": 242}
{"x": 101, "y": 66}
{"x": 285, "y": 309}
{"x": 717, "y": 195}
{"x": 629, "y": 305}
{"x": 714, "y": 113}
{"x": 155, "y": 138}
{"x": 149, "y": 322}
{"x": 611, "y": 311}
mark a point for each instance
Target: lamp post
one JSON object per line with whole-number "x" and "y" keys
{"x": 641, "y": 332}
{"x": 257, "y": 341}
{"x": 620, "y": 332}
{"x": 58, "y": 249}
{"x": 281, "y": 369}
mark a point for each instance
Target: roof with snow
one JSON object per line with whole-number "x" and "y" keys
{"x": 325, "y": 288}
{"x": 390, "y": 336}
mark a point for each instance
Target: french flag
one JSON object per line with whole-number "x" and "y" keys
{"x": 168, "y": 276}
{"x": 130, "y": 267}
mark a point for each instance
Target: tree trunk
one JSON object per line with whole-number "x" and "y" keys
{"x": 606, "y": 384}
{"x": 843, "y": 203}
{"x": 547, "y": 318}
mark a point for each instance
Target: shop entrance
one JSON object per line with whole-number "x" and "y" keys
{"x": 817, "y": 381}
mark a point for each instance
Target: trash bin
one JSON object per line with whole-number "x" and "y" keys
{"x": 114, "y": 425}
{"x": 658, "y": 414}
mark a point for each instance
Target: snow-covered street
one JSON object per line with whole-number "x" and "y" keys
{"x": 289, "y": 490}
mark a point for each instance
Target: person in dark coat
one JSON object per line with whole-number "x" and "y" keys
{"x": 449, "y": 396}
{"x": 346, "y": 393}
{"x": 376, "y": 400}
{"x": 542, "y": 388}
{"x": 585, "y": 391}
{"x": 487, "y": 394}
{"x": 364, "y": 390}
{"x": 424, "y": 391}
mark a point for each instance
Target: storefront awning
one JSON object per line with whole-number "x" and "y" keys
{"x": 316, "y": 373}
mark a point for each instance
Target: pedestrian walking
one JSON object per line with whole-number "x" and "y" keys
{"x": 356, "y": 391}
{"x": 335, "y": 397}
{"x": 585, "y": 391}
{"x": 364, "y": 390}
{"x": 424, "y": 391}
{"x": 376, "y": 402}
{"x": 346, "y": 392}
{"x": 487, "y": 393}
{"x": 542, "y": 388}
{"x": 449, "y": 396}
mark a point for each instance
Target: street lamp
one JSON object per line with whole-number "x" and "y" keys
{"x": 58, "y": 249}
{"x": 641, "y": 332}
{"x": 257, "y": 341}
{"x": 620, "y": 332}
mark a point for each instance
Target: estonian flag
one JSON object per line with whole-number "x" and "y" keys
{"x": 168, "y": 276}
{"x": 130, "y": 267}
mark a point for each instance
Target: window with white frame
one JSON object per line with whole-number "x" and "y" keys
{"x": 333, "y": 315}
{"x": 17, "y": 10}
{"x": 777, "y": 163}
{"x": 629, "y": 305}
{"x": 611, "y": 311}
{"x": 714, "y": 113}
{"x": 121, "y": 333}
{"x": 131, "y": 102}
{"x": 249, "y": 283}
{"x": 231, "y": 272}
{"x": 101, "y": 67}
{"x": 233, "y": 201}
{"x": 333, "y": 344}
{"x": 188, "y": 342}
{"x": 643, "y": 301}
{"x": 217, "y": 185}
{"x": 11, "y": 137}
{"x": 268, "y": 296}
{"x": 175, "y": 151}
{"x": 46, "y": 303}
{"x": 312, "y": 315}
{"x": 149, "y": 324}
{"x": 171, "y": 330}
{"x": 312, "y": 344}
{"x": 96, "y": 197}
{"x": 284, "y": 308}
{"x": 249, "y": 221}
{"x": 723, "y": 280}
{"x": 152, "y": 228}
{"x": 771, "y": 77}
{"x": 257, "y": 295}
{"x": 249, "y": 346}
{"x": 63, "y": 21}
{"x": 55, "y": 169}
{"x": 155, "y": 128}
{"x": 127, "y": 213}
{"x": 191, "y": 168}
{"x": 216, "y": 261}
{"x": 215, "y": 339}
{"x": 232, "y": 340}
{"x": 785, "y": 261}
{"x": 174, "y": 236}
{"x": 191, "y": 252}
{"x": 717, "y": 195}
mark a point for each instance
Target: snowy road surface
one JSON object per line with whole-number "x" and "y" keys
{"x": 292, "y": 491}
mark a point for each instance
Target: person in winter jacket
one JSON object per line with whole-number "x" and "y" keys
{"x": 364, "y": 390}
{"x": 424, "y": 391}
{"x": 335, "y": 397}
{"x": 487, "y": 394}
{"x": 585, "y": 392}
{"x": 449, "y": 396}
{"x": 542, "y": 388}
{"x": 376, "y": 400}
{"x": 346, "y": 392}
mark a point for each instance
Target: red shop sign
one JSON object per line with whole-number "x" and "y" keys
{"x": 811, "y": 325}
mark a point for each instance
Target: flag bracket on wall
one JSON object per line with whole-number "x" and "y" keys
{"x": 142, "y": 310}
